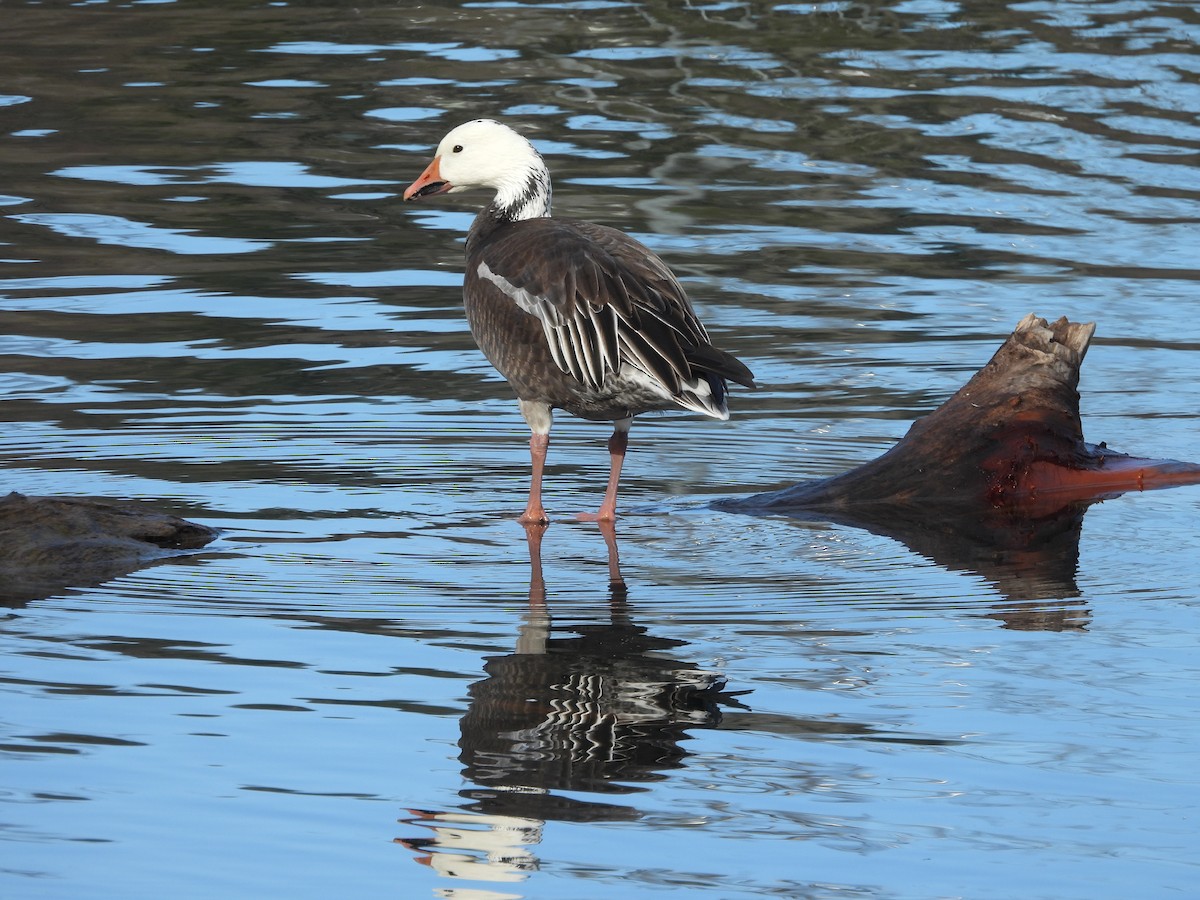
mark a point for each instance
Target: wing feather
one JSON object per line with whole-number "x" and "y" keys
{"x": 603, "y": 301}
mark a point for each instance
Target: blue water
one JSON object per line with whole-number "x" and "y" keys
{"x": 213, "y": 300}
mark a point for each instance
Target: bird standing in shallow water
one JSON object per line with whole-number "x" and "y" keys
{"x": 575, "y": 316}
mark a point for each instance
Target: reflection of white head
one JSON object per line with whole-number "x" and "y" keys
{"x": 473, "y": 868}
{"x": 498, "y": 842}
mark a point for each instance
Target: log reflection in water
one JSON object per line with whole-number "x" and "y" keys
{"x": 1031, "y": 561}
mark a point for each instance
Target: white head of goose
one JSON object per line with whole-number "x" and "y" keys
{"x": 575, "y": 316}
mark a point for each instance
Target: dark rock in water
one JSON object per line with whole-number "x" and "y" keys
{"x": 51, "y": 543}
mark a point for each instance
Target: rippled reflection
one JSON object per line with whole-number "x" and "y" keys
{"x": 594, "y": 709}
{"x": 597, "y": 710}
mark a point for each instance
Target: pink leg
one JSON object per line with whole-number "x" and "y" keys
{"x": 617, "y": 445}
{"x": 534, "y": 512}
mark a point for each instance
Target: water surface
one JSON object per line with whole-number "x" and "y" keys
{"x": 213, "y": 299}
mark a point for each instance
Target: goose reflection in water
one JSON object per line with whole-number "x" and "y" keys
{"x": 598, "y": 709}
{"x": 603, "y": 709}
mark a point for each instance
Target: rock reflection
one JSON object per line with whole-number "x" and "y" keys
{"x": 599, "y": 708}
{"x": 48, "y": 544}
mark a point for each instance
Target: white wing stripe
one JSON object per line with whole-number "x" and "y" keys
{"x": 569, "y": 337}
{"x": 530, "y": 303}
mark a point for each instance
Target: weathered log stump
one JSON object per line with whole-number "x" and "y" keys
{"x": 997, "y": 479}
{"x": 1010, "y": 438}
{"x": 51, "y": 543}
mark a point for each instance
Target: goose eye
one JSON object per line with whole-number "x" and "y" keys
{"x": 457, "y": 148}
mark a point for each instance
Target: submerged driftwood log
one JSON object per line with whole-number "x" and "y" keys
{"x": 997, "y": 479}
{"x": 51, "y": 543}
{"x": 1011, "y": 437}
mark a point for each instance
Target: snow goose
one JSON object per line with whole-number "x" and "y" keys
{"x": 576, "y": 316}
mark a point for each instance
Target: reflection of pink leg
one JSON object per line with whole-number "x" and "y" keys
{"x": 609, "y": 530}
{"x": 534, "y": 512}
{"x": 537, "y": 584}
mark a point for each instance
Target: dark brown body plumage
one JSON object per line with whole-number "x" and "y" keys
{"x": 611, "y": 300}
